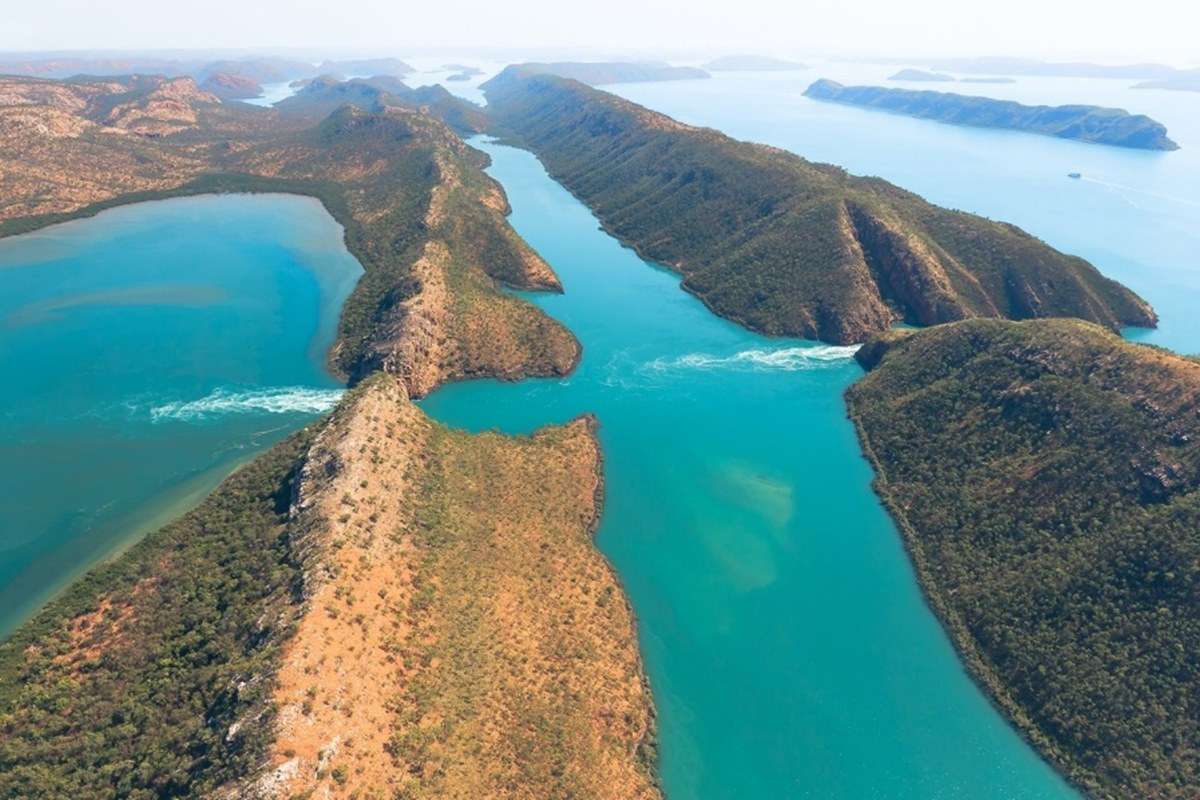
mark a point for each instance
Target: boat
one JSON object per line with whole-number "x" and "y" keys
{"x": 1076, "y": 175}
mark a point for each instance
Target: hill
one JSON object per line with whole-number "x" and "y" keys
{"x": 231, "y": 87}
{"x": 1045, "y": 476}
{"x": 598, "y": 73}
{"x": 1112, "y": 126}
{"x": 783, "y": 245}
{"x": 366, "y": 66}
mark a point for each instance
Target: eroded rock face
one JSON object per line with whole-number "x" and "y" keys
{"x": 453, "y": 609}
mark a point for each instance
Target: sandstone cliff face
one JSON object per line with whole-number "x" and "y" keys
{"x": 461, "y": 636}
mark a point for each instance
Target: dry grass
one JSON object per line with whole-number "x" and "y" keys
{"x": 463, "y": 638}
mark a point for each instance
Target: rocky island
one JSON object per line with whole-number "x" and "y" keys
{"x": 783, "y": 245}
{"x": 1111, "y": 126}
{"x": 1045, "y": 476}
{"x": 378, "y": 606}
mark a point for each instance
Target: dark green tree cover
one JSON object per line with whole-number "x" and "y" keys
{"x": 1112, "y": 126}
{"x": 1046, "y": 478}
{"x": 783, "y": 245}
{"x": 150, "y": 677}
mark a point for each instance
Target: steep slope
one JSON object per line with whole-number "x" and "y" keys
{"x": 377, "y": 607}
{"x": 783, "y": 245}
{"x": 1095, "y": 124}
{"x": 1046, "y": 478}
{"x": 428, "y": 306}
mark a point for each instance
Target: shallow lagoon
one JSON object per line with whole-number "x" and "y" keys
{"x": 149, "y": 350}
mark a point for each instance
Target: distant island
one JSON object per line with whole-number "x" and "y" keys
{"x": 1093, "y": 124}
{"x": 598, "y": 73}
{"x": 462, "y": 69}
{"x": 921, "y": 75}
{"x": 1189, "y": 82}
{"x": 366, "y": 66}
{"x": 749, "y": 63}
{"x": 782, "y": 245}
{"x": 1073, "y": 69}
{"x": 1045, "y": 477}
{"x": 459, "y": 76}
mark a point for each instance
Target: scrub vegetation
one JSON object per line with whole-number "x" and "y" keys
{"x": 1045, "y": 476}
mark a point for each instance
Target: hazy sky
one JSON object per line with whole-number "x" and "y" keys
{"x": 1097, "y": 29}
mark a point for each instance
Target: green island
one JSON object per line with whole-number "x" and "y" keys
{"x": 783, "y": 245}
{"x": 1045, "y": 477}
{"x": 374, "y": 560}
{"x": 1111, "y": 126}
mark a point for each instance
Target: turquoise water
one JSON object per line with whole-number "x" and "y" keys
{"x": 146, "y": 352}
{"x": 154, "y": 347}
{"x": 788, "y": 647}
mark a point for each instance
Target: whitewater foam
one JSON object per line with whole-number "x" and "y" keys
{"x": 276, "y": 400}
{"x": 789, "y": 359}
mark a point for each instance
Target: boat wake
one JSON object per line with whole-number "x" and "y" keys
{"x": 277, "y": 400}
{"x": 789, "y": 359}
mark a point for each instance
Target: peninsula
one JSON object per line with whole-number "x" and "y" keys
{"x": 378, "y": 606}
{"x": 1045, "y": 476}
{"x": 783, "y": 245}
{"x": 359, "y": 612}
{"x": 1111, "y": 126}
